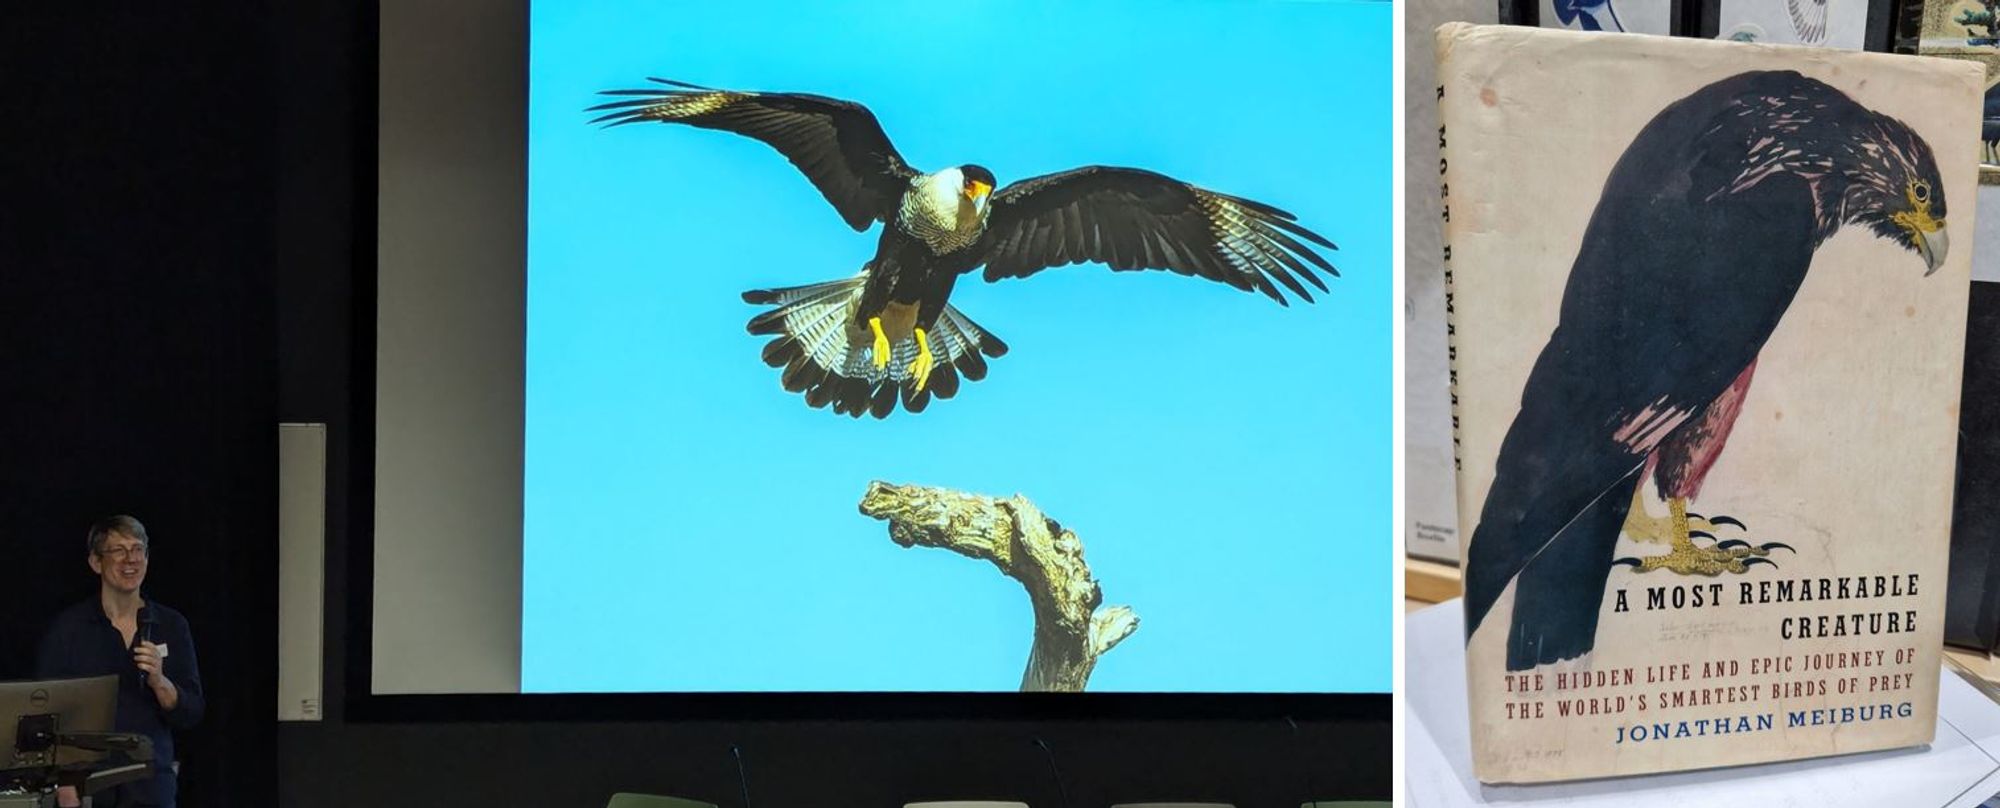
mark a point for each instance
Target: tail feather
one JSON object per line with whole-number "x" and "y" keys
{"x": 790, "y": 301}
{"x": 1558, "y": 594}
{"x": 944, "y": 381}
{"x": 972, "y": 334}
{"x": 824, "y": 355}
{"x": 778, "y": 352}
{"x": 916, "y": 400}
{"x": 882, "y": 400}
{"x": 802, "y": 376}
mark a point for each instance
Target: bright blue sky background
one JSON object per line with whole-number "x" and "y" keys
{"x": 690, "y": 526}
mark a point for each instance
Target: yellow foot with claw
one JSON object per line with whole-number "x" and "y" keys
{"x": 1684, "y": 557}
{"x": 881, "y": 343}
{"x": 1644, "y": 527}
{"x": 921, "y": 368}
{"x": 1687, "y": 559}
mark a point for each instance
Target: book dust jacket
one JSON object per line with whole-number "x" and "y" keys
{"x": 1707, "y": 315}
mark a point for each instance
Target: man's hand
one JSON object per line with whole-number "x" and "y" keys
{"x": 67, "y": 798}
{"x": 147, "y": 656}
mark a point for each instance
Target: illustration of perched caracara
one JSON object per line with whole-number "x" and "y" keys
{"x": 889, "y": 333}
{"x": 1696, "y": 247}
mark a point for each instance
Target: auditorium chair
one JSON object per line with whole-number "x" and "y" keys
{"x": 966, "y": 804}
{"x": 625, "y": 800}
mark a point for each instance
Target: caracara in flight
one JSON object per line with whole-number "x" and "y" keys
{"x": 889, "y": 333}
{"x": 1699, "y": 241}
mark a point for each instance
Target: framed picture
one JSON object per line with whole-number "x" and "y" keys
{"x": 1970, "y": 30}
{"x": 1659, "y": 17}
{"x": 1844, "y": 24}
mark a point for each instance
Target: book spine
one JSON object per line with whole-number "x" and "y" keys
{"x": 1450, "y": 326}
{"x": 1450, "y": 261}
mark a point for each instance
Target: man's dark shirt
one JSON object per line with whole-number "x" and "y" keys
{"x": 82, "y": 642}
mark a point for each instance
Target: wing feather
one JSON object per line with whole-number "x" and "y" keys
{"x": 838, "y": 145}
{"x": 1132, "y": 219}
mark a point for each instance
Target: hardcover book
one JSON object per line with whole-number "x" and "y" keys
{"x": 1707, "y": 327}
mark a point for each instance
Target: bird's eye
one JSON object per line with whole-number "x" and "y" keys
{"x": 1920, "y": 191}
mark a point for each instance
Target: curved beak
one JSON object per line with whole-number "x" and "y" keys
{"x": 978, "y": 193}
{"x": 1933, "y": 246}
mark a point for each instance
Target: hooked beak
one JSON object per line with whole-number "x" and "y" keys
{"x": 1933, "y": 246}
{"x": 977, "y": 191}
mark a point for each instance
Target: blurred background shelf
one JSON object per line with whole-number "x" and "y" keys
{"x": 1428, "y": 582}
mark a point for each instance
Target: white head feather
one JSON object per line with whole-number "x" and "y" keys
{"x": 936, "y": 209}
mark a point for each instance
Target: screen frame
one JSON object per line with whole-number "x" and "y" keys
{"x": 1878, "y": 33}
{"x": 362, "y": 705}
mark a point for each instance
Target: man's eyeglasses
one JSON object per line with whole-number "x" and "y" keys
{"x": 136, "y": 551}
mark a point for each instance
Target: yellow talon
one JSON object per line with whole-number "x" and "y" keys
{"x": 1683, "y": 555}
{"x": 881, "y": 343}
{"x": 922, "y": 367}
{"x": 1644, "y": 527}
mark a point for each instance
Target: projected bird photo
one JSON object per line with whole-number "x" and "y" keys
{"x": 889, "y": 333}
{"x": 1699, "y": 241}
{"x": 815, "y": 290}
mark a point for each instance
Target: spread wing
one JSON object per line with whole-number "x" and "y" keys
{"x": 838, "y": 144}
{"x": 1134, "y": 219}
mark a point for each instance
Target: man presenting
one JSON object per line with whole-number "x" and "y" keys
{"x": 146, "y": 644}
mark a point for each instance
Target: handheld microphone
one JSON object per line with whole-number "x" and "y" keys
{"x": 1053, "y": 771}
{"x": 1305, "y": 765}
{"x": 742, "y": 778}
{"x": 145, "y": 633}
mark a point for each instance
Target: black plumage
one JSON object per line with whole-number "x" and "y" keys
{"x": 838, "y": 144}
{"x": 1699, "y": 242}
{"x": 889, "y": 335}
{"x": 1156, "y": 222}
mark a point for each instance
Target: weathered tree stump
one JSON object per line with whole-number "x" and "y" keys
{"x": 1071, "y": 632}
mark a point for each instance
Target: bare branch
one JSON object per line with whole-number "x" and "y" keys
{"x": 1024, "y": 544}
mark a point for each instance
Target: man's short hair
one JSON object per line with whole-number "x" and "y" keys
{"x": 121, "y": 525}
